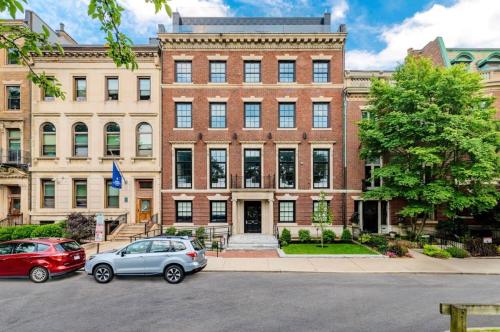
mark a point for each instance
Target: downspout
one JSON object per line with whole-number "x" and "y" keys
{"x": 160, "y": 203}
{"x": 344, "y": 157}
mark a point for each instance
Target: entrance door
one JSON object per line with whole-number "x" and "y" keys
{"x": 370, "y": 216}
{"x": 144, "y": 209}
{"x": 253, "y": 222}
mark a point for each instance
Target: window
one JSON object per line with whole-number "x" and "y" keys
{"x": 217, "y": 71}
{"x": 287, "y": 211}
{"x": 146, "y": 184}
{"x": 321, "y": 71}
{"x": 14, "y": 145}
{"x": 42, "y": 247}
{"x": 217, "y": 115}
{"x": 286, "y": 71}
{"x": 252, "y": 115}
{"x": 178, "y": 246}
{"x": 112, "y": 196}
{"x": 48, "y": 140}
{"x": 80, "y": 193}
{"x": 80, "y": 88}
{"x": 286, "y": 160}
{"x": 25, "y": 248}
{"x": 112, "y": 139}
{"x": 13, "y": 97}
{"x": 112, "y": 88}
{"x": 252, "y": 71}
{"x": 316, "y": 205}
{"x": 287, "y": 115}
{"x": 144, "y": 140}
{"x": 48, "y": 95}
{"x": 5, "y": 249}
{"x": 367, "y": 115}
{"x": 218, "y": 166}
{"x": 80, "y": 140}
{"x": 183, "y": 71}
{"x": 218, "y": 211}
{"x": 321, "y": 168}
{"x": 138, "y": 247}
{"x": 183, "y": 115}
{"x": 320, "y": 115}
{"x": 183, "y": 168}
{"x": 184, "y": 211}
{"x": 370, "y": 167}
{"x": 144, "y": 84}
{"x": 160, "y": 246}
{"x": 12, "y": 56}
{"x": 252, "y": 168}
{"x": 48, "y": 194}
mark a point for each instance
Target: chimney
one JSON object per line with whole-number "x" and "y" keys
{"x": 61, "y": 26}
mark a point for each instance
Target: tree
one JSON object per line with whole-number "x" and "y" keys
{"x": 434, "y": 128}
{"x": 23, "y": 44}
{"x": 322, "y": 216}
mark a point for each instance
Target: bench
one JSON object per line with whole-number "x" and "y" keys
{"x": 459, "y": 312}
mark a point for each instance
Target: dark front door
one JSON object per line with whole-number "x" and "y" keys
{"x": 253, "y": 223}
{"x": 370, "y": 216}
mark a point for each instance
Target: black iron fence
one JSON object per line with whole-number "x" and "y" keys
{"x": 264, "y": 182}
{"x": 15, "y": 157}
{"x": 12, "y": 220}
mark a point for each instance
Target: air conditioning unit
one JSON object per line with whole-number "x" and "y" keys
{"x": 81, "y": 98}
{"x": 49, "y": 98}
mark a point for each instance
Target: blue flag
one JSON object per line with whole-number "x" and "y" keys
{"x": 117, "y": 177}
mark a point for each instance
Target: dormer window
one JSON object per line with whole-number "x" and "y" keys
{"x": 464, "y": 58}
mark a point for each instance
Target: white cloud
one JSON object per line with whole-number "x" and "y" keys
{"x": 467, "y": 23}
{"x": 339, "y": 9}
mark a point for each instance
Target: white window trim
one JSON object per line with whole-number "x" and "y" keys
{"x": 224, "y": 146}
{"x": 251, "y": 57}
{"x": 286, "y": 57}
{"x": 287, "y": 99}
{"x": 330, "y": 162}
{"x": 252, "y": 99}
{"x": 287, "y": 197}
{"x": 254, "y": 146}
{"x": 183, "y": 99}
{"x": 217, "y": 57}
{"x": 217, "y": 99}
{"x": 174, "y": 147}
{"x": 321, "y": 99}
{"x": 183, "y": 197}
{"x": 321, "y": 57}
{"x": 277, "y": 180}
{"x": 182, "y": 57}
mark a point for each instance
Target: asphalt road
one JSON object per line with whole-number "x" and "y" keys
{"x": 226, "y": 301}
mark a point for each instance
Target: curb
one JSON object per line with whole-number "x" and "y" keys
{"x": 207, "y": 269}
{"x": 282, "y": 254}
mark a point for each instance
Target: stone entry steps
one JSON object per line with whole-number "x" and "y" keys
{"x": 126, "y": 231}
{"x": 252, "y": 242}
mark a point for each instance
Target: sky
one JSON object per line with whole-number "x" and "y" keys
{"x": 379, "y": 31}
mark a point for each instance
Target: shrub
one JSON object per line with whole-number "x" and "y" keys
{"x": 434, "y": 251}
{"x": 449, "y": 229}
{"x": 498, "y": 250}
{"x": 23, "y": 232}
{"x": 365, "y": 238}
{"x": 304, "y": 235}
{"x": 185, "y": 232}
{"x": 79, "y": 226}
{"x": 346, "y": 235}
{"x": 6, "y": 233}
{"x": 286, "y": 237}
{"x": 476, "y": 247}
{"x": 328, "y": 236}
{"x": 215, "y": 245}
{"x": 51, "y": 230}
{"x": 171, "y": 231}
{"x": 399, "y": 249}
{"x": 379, "y": 242}
{"x": 458, "y": 252}
{"x": 200, "y": 234}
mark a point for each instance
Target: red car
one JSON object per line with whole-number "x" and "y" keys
{"x": 40, "y": 258}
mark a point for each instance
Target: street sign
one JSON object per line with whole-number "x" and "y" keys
{"x": 99, "y": 227}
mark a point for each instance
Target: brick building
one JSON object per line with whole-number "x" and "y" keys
{"x": 252, "y": 122}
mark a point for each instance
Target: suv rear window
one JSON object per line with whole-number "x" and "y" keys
{"x": 196, "y": 245}
{"x": 68, "y": 246}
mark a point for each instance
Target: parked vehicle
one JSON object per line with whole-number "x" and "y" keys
{"x": 40, "y": 258}
{"x": 170, "y": 256}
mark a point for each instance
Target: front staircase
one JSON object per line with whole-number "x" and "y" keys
{"x": 252, "y": 242}
{"x": 125, "y": 231}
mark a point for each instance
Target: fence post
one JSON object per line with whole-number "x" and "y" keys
{"x": 458, "y": 319}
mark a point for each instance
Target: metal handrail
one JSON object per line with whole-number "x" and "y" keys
{"x": 267, "y": 182}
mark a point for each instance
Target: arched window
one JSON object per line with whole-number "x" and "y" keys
{"x": 80, "y": 140}
{"x": 144, "y": 140}
{"x": 112, "y": 143}
{"x": 48, "y": 140}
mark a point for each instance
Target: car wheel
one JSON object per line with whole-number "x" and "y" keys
{"x": 103, "y": 273}
{"x": 174, "y": 274}
{"x": 39, "y": 274}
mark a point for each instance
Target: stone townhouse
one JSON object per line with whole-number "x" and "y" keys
{"x": 109, "y": 115}
{"x": 252, "y": 122}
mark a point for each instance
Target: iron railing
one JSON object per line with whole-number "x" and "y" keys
{"x": 240, "y": 182}
{"x": 15, "y": 158}
{"x": 12, "y": 220}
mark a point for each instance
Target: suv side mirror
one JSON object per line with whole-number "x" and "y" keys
{"x": 122, "y": 253}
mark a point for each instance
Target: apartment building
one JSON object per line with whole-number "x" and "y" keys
{"x": 252, "y": 122}
{"x": 110, "y": 115}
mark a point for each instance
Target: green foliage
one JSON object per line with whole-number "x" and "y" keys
{"x": 215, "y": 245}
{"x": 434, "y": 128}
{"x": 285, "y": 237}
{"x": 346, "y": 235}
{"x": 23, "y": 232}
{"x": 6, "y": 233}
{"x": 365, "y": 238}
{"x": 304, "y": 235}
{"x": 436, "y": 252}
{"x": 51, "y": 230}
{"x": 379, "y": 242}
{"x": 458, "y": 252}
{"x": 200, "y": 234}
{"x": 328, "y": 236}
{"x": 323, "y": 215}
{"x": 171, "y": 231}
{"x": 399, "y": 249}
{"x": 184, "y": 232}
{"x": 450, "y": 228}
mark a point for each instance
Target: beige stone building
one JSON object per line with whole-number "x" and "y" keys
{"x": 109, "y": 115}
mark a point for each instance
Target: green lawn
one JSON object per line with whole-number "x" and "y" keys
{"x": 328, "y": 249}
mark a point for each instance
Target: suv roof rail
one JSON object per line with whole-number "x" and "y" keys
{"x": 184, "y": 237}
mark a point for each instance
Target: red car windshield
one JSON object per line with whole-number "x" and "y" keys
{"x": 68, "y": 246}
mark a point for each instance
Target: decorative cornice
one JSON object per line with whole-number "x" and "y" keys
{"x": 96, "y": 52}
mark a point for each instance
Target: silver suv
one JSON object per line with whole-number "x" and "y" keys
{"x": 172, "y": 256}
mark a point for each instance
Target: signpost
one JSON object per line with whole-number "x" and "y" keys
{"x": 99, "y": 228}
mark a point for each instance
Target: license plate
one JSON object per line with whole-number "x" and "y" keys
{"x": 76, "y": 257}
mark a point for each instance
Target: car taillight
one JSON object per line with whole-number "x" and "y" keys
{"x": 192, "y": 254}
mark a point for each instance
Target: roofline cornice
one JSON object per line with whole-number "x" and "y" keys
{"x": 97, "y": 52}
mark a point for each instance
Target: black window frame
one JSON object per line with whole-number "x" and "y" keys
{"x": 280, "y": 117}
{"x": 211, "y": 110}
{"x": 180, "y": 163}
{"x": 177, "y": 114}
{"x": 327, "y": 163}
{"x": 211, "y": 162}
{"x": 183, "y": 219}
{"x": 287, "y": 163}
{"x": 287, "y": 73}
{"x": 245, "y": 72}
{"x": 218, "y": 220}
{"x": 212, "y": 73}
{"x": 176, "y": 70}
{"x": 327, "y": 115}
{"x": 246, "y": 163}
{"x": 327, "y": 62}
{"x": 245, "y": 110}
{"x": 294, "y": 213}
